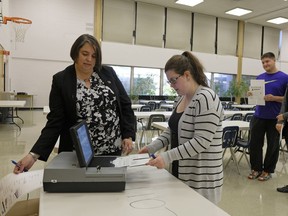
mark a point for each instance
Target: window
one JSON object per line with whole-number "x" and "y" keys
{"x": 221, "y": 84}
{"x": 167, "y": 89}
{"x": 146, "y": 81}
{"x": 124, "y": 74}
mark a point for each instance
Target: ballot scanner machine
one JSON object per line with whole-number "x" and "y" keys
{"x": 80, "y": 171}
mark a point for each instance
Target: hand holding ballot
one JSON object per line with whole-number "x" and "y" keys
{"x": 256, "y": 93}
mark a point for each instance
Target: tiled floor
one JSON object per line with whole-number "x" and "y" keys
{"x": 241, "y": 196}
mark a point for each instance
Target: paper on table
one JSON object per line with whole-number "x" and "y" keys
{"x": 131, "y": 160}
{"x": 257, "y": 88}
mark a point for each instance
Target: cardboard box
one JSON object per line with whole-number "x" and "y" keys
{"x": 25, "y": 208}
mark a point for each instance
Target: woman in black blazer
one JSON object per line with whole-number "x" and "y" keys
{"x": 89, "y": 91}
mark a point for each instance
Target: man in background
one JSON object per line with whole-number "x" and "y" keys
{"x": 264, "y": 121}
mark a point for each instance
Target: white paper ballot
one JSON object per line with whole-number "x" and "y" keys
{"x": 131, "y": 160}
{"x": 257, "y": 89}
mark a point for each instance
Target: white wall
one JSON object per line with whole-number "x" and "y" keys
{"x": 284, "y": 50}
{"x": 46, "y": 50}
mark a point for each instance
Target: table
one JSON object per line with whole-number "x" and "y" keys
{"x": 147, "y": 101}
{"x": 46, "y": 110}
{"x": 13, "y": 104}
{"x": 149, "y": 191}
{"x": 229, "y": 113}
{"x": 24, "y": 96}
{"x": 146, "y": 115}
{"x": 244, "y": 106}
{"x": 243, "y": 125}
{"x": 137, "y": 106}
{"x": 165, "y": 105}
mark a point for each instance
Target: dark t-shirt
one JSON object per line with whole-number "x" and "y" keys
{"x": 275, "y": 84}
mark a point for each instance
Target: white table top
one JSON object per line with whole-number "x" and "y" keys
{"x": 147, "y": 101}
{"x": 169, "y": 102}
{"x": 46, "y": 110}
{"x": 160, "y": 125}
{"x": 243, "y": 125}
{"x": 167, "y": 114}
{"x": 12, "y": 103}
{"x": 149, "y": 191}
{"x": 243, "y": 106}
{"x": 229, "y": 113}
{"x": 136, "y": 106}
{"x": 164, "y": 105}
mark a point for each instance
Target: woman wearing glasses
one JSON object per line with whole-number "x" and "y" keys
{"x": 90, "y": 91}
{"x": 195, "y": 131}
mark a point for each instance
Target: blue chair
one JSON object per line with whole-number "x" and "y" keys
{"x": 145, "y": 108}
{"x": 248, "y": 117}
{"x": 229, "y": 140}
{"x": 243, "y": 146}
{"x": 237, "y": 117}
{"x": 153, "y": 105}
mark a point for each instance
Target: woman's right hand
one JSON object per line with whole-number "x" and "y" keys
{"x": 26, "y": 162}
{"x": 143, "y": 150}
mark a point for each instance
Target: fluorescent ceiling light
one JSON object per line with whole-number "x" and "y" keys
{"x": 278, "y": 20}
{"x": 190, "y": 3}
{"x": 238, "y": 12}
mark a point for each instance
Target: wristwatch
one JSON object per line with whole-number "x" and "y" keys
{"x": 35, "y": 156}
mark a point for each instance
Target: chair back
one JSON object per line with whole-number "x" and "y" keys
{"x": 237, "y": 116}
{"x": 155, "y": 118}
{"x": 145, "y": 108}
{"x": 248, "y": 117}
{"x": 152, "y": 104}
{"x": 224, "y": 105}
{"x": 229, "y": 105}
{"x": 229, "y": 137}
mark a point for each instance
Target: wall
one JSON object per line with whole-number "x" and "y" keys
{"x": 57, "y": 23}
{"x": 55, "y": 26}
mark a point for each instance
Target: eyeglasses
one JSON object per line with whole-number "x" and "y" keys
{"x": 173, "y": 80}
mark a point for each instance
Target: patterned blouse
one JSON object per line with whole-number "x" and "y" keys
{"x": 98, "y": 106}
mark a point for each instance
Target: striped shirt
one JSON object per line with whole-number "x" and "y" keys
{"x": 200, "y": 145}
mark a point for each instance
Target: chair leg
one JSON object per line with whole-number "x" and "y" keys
{"x": 141, "y": 138}
{"x": 224, "y": 153}
{"x": 282, "y": 149}
{"x": 233, "y": 157}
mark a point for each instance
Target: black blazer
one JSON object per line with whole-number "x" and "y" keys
{"x": 62, "y": 116}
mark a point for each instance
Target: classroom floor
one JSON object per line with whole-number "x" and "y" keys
{"x": 241, "y": 196}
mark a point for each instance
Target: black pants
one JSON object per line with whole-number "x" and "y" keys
{"x": 260, "y": 127}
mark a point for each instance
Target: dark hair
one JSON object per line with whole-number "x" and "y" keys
{"x": 187, "y": 61}
{"x": 268, "y": 55}
{"x": 79, "y": 43}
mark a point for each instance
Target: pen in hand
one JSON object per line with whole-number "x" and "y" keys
{"x": 153, "y": 156}
{"x": 16, "y": 164}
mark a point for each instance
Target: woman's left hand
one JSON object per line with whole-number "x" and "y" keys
{"x": 127, "y": 146}
{"x": 157, "y": 162}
